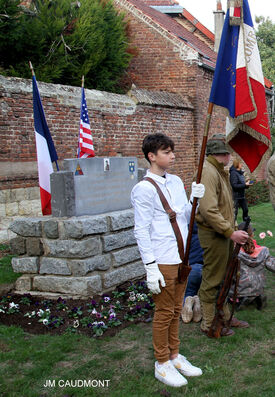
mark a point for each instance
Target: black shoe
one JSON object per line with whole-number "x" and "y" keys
{"x": 245, "y": 302}
{"x": 260, "y": 302}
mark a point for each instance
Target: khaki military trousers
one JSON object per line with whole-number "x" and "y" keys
{"x": 217, "y": 251}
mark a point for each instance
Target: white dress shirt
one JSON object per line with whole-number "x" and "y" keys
{"x": 153, "y": 231}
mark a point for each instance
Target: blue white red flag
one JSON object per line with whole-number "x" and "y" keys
{"x": 238, "y": 86}
{"x": 45, "y": 150}
{"x": 85, "y": 143}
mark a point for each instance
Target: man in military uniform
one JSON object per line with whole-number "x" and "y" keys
{"x": 217, "y": 235}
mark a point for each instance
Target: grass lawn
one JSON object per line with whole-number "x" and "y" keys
{"x": 7, "y": 276}
{"x": 242, "y": 365}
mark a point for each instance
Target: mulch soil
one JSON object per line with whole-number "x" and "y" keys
{"x": 64, "y": 319}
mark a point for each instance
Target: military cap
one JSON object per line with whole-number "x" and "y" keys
{"x": 217, "y": 145}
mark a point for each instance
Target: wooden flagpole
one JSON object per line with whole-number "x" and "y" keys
{"x": 195, "y": 200}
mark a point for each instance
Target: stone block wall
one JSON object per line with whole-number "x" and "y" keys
{"x": 78, "y": 256}
{"x": 15, "y": 203}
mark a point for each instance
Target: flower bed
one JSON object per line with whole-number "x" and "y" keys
{"x": 101, "y": 315}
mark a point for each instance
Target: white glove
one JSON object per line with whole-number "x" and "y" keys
{"x": 198, "y": 190}
{"x": 154, "y": 276}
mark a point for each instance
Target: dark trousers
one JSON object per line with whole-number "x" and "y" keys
{"x": 241, "y": 203}
{"x": 194, "y": 280}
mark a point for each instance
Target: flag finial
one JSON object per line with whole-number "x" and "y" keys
{"x": 235, "y": 12}
{"x": 31, "y": 68}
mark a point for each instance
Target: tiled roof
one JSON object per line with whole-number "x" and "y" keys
{"x": 198, "y": 25}
{"x": 160, "y": 98}
{"x": 186, "y": 15}
{"x": 160, "y": 2}
{"x": 268, "y": 83}
{"x": 179, "y": 31}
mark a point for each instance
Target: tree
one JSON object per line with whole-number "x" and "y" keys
{"x": 266, "y": 41}
{"x": 10, "y": 21}
{"x": 65, "y": 40}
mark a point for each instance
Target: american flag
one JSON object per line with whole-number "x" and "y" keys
{"x": 85, "y": 144}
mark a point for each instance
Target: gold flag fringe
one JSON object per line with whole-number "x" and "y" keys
{"x": 254, "y": 134}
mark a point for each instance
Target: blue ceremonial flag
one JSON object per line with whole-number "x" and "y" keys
{"x": 238, "y": 86}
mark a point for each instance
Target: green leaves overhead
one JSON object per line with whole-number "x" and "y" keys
{"x": 65, "y": 40}
{"x": 266, "y": 41}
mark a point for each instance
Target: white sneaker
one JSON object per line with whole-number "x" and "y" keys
{"x": 196, "y": 309}
{"x": 187, "y": 310}
{"x": 168, "y": 374}
{"x": 185, "y": 367}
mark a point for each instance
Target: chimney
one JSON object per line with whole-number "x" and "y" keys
{"x": 219, "y": 20}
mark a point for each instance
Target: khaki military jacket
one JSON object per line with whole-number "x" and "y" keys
{"x": 215, "y": 210}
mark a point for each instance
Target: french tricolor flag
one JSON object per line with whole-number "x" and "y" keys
{"x": 45, "y": 150}
{"x": 238, "y": 85}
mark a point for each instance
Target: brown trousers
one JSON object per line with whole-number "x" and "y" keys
{"x": 168, "y": 306}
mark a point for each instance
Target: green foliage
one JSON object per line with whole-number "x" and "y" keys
{"x": 7, "y": 275}
{"x": 257, "y": 193}
{"x": 10, "y": 21}
{"x": 65, "y": 40}
{"x": 266, "y": 41}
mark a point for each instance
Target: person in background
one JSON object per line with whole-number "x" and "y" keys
{"x": 238, "y": 184}
{"x": 192, "y": 309}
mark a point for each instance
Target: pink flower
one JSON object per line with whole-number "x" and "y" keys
{"x": 270, "y": 233}
{"x": 262, "y": 235}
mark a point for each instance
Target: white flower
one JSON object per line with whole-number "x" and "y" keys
{"x": 2, "y": 311}
{"x": 40, "y": 313}
{"x": 132, "y": 296}
{"x": 76, "y": 324}
{"x": 270, "y": 233}
{"x": 27, "y": 315}
{"x": 106, "y": 299}
{"x": 94, "y": 311}
{"x": 12, "y": 304}
{"x": 262, "y": 235}
{"x": 45, "y": 321}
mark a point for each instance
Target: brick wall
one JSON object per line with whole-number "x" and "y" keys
{"x": 118, "y": 127}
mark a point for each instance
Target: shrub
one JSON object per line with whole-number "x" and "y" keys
{"x": 257, "y": 193}
{"x": 65, "y": 40}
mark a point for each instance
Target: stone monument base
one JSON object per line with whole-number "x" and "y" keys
{"x": 75, "y": 257}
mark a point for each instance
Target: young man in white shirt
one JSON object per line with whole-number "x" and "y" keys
{"x": 159, "y": 252}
